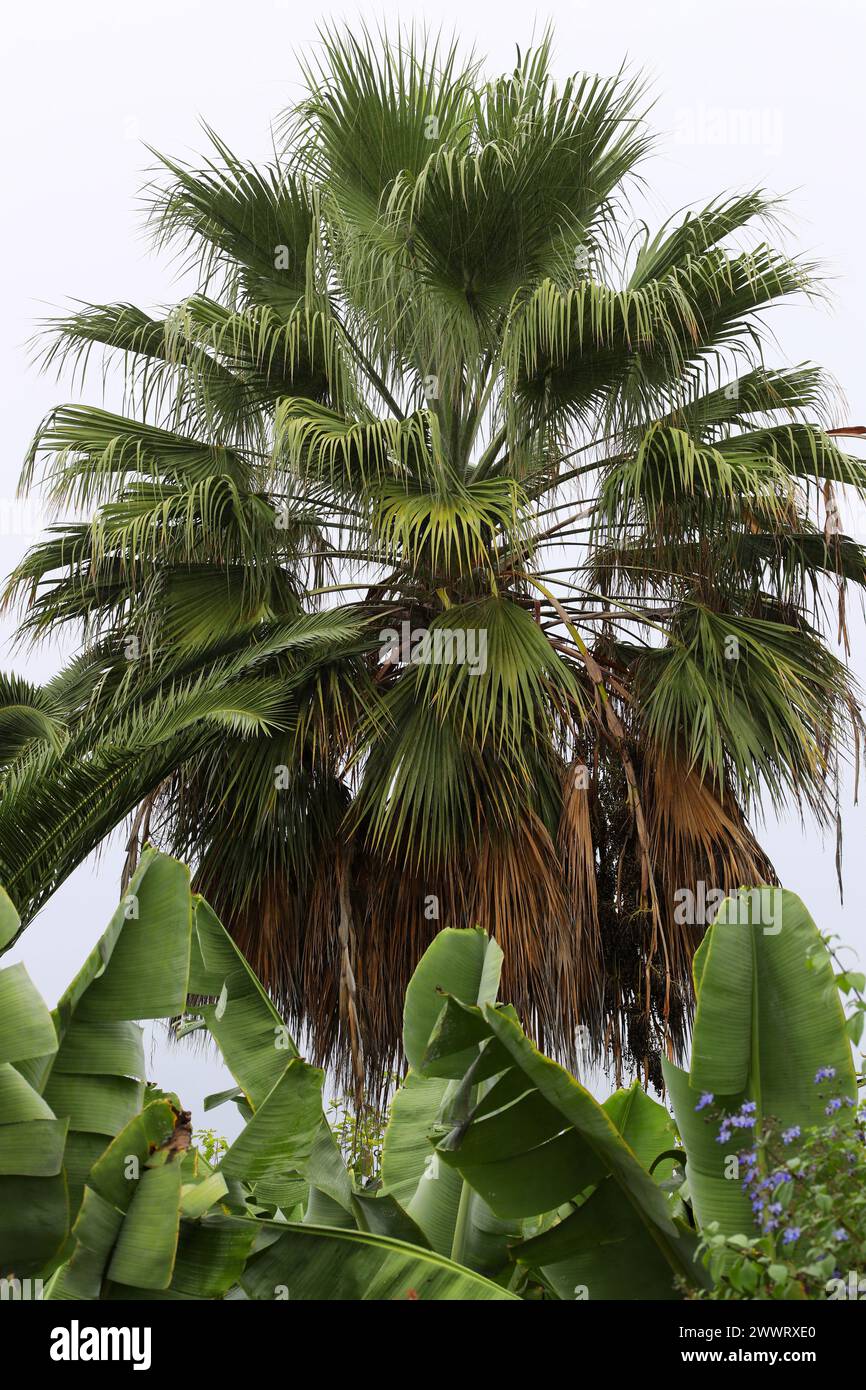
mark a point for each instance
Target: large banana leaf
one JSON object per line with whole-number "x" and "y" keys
{"x": 33, "y": 1190}
{"x": 251, "y": 1035}
{"x": 768, "y": 1017}
{"x": 455, "y": 1219}
{"x": 287, "y": 1145}
{"x": 154, "y": 1220}
{"x": 465, "y": 964}
{"x": 146, "y": 1245}
{"x": 138, "y": 969}
{"x": 311, "y": 1262}
{"x": 537, "y": 1139}
{"x": 210, "y": 1259}
{"x": 605, "y": 1250}
{"x": 96, "y": 1229}
{"x": 9, "y": 920}
{"x": 288, "y": 1139}
{"x": 645, "y": 1125}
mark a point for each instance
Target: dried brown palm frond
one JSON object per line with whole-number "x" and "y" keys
{"x": 697, "y": 832}
{"x": 577, "y": 856}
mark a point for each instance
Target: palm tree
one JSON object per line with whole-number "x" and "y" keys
{"x": 456, "y": 558}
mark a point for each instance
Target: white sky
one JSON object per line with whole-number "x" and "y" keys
{"x": 767, "y": 93}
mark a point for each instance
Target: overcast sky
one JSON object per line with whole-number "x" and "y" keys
{"x": 768, "y": 93}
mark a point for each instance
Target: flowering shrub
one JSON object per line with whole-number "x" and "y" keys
{"x": 808, "y": 1201}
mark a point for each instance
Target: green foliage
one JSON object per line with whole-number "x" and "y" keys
{"x": 158, "y": 1210}
{"x": 810, "y": 1210}
{"x": 360, "y": 1136}
{"x": 749, "y": 1047}
{"x": 210, "y": 1144}
{"x": 497, "y": 1175}
{"x": 433, "y": 372}
{"x": 768, "y": 1113}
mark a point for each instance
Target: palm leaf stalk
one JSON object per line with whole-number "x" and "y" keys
{"x": 432, "y": 380}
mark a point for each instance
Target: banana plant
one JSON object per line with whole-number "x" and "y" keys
{"x": 102, "y": 1192}
{"x": 104, "y": 1195}
{"x": 34, "y": 1203}
{"x": 528, "y": 1138}
{"x": 501, "y": 1175}
{"x": 455, "y": 1219}
{"x": 769, "y": 1018}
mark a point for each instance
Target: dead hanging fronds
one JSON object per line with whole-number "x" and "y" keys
{"x": 584, "y": 965}
{"x": 517, "y": 894}
{"x": 348, "y": 986}
{"x": 698, "y": 836}
{"x": 611, "y": 725}
{"x": 576, "y": 850}
{"x": 591, "y": 972}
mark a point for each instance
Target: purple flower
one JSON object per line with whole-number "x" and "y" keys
{"x": 790, "y": 1235}
{"x": 834, "y": 1105}
{"x": 705, "y": 1100}
{"x": 824, "y": 1074}
{"x": 789, "y": 1135}
{"x": 840, "y": 1233}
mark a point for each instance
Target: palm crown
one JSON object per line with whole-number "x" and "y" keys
{"x": 433, "y": 380}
